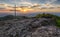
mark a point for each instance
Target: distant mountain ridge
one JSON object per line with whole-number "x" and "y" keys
{"x": 28, "y": 14}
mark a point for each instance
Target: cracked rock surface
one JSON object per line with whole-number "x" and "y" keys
{"x": 41, "y": 27}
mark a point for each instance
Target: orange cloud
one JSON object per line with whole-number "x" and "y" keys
{"x": 27, "y": 9}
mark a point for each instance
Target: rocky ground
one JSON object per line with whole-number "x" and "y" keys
{"x": 41, "y": 27}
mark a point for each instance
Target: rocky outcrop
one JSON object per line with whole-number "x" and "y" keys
{"x": 41, "y": 27}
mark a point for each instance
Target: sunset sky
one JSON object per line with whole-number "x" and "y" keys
{"x": 26, "y": 6}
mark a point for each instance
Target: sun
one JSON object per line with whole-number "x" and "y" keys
{"x": 25, "y": 10}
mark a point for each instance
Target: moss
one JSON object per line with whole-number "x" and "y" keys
{"x": 58, "y": 22}
{"x": 57, "y": 18}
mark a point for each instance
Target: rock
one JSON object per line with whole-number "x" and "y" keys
{"x": 41, "y": 27}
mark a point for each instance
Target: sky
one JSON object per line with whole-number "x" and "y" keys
{"x": 26, "y": 6}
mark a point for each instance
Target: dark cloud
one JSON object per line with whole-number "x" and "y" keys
{"x": 57, "y": 2}
{"x": 31, "y": 1}
{"x": 1, "y": 8}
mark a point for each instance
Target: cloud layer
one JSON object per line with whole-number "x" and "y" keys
{"x": 30, "y": 5}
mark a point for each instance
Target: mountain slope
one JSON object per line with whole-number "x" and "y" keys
{"x": 41, "y": 27}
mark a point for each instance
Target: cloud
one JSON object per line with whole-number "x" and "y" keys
{"x": 32, "y": 1}
{"x": 29, "y": 4}
{"x": 6, "y": 6}
{"x": 43, "y": 1}
{"x": 32, "y": 4}
{"x": 25, "y": 3}
{"x": 50, "y": 1}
